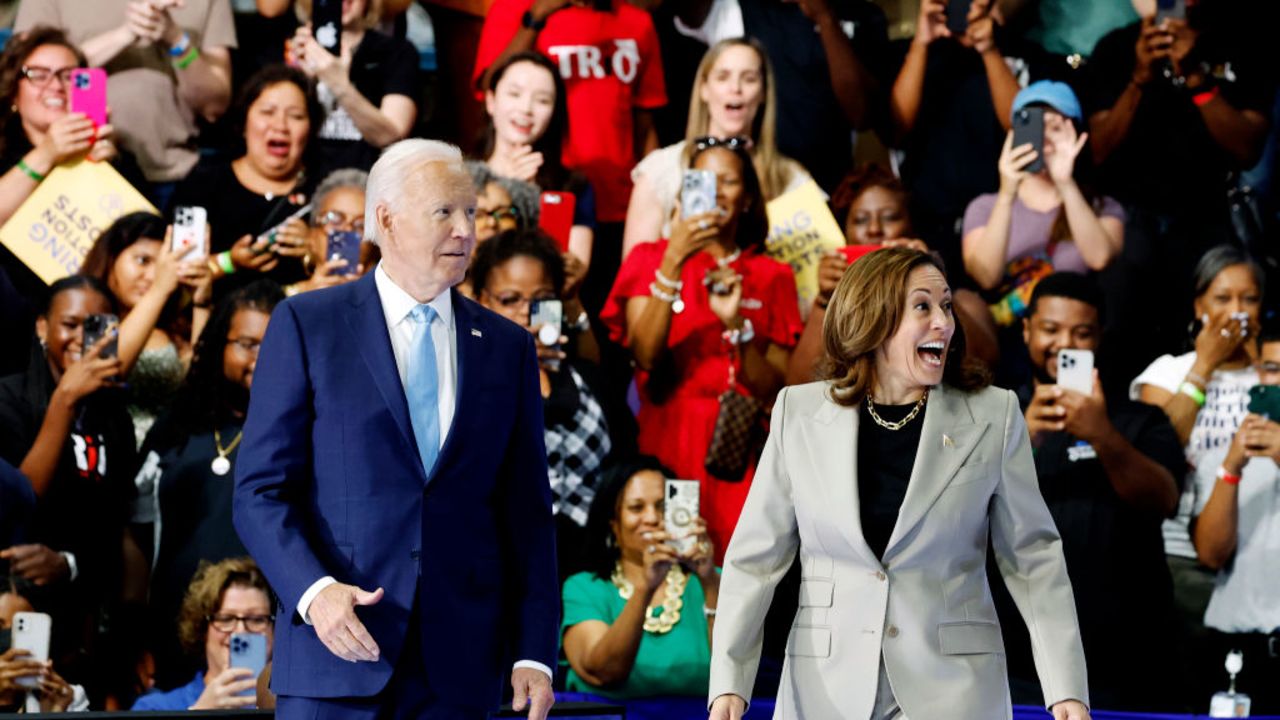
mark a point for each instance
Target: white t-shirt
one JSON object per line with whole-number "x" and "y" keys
{"x": 1226, "y": 404}
{"x": 1246, "y": 595}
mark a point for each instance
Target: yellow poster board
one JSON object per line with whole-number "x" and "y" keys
{"x": 53, "y": 230}
{"x": 801, "y": 230}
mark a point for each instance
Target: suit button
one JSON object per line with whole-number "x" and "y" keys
{"x": 892, "y": 631}
{"x": 880, "y": 576}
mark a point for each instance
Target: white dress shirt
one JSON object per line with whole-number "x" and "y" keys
{"x": 396, "y": 306}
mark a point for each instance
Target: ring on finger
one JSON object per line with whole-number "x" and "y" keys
{"x": 650, "y": 549}
{"x": 1225, "y": 332}
{"x": 703, "y": 224}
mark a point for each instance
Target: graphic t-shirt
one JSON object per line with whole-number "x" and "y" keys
{"x": 611, "y": 65}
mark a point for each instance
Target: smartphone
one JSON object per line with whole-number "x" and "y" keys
{"x": 326, "y": 25}
{"x": 249, "y": 650}
{"x": 344, "y": 244}
{"x": 88, "y": 94}
{"x": 1264, "y": 400}
{"x": 1170, "y": 10}
{"x": 98, "y": 326}
{"x": 1075, "y": 370}
{"x": 958, "y": 16}
{"x": 270, "y": 235}
{"x": 188, "y": 232}
{"x": 853, "y": 253}
{"x": 555, "y": 216}
{"x": 679, "y": 511}
{"x": 697, "y": 193}
{"x": 31, "y": 632}
{"x": 1028, "y": 127}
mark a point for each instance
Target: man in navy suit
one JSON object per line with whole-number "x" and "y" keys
{"x": 392, "y": 479}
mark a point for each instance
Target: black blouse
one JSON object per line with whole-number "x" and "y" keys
{"x": 885, "y": 460}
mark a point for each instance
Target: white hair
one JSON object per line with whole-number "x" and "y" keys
{"x": 388, "y": 176}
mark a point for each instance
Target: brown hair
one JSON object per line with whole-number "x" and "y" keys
{"x": 865, "y": 312}
{"x": 372, "y": 13}
{"x": 204, "y": 597}
{"x": 771, "y": 165}
{"x": 15, "y": 56}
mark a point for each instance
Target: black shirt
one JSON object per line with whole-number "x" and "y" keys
{"x": 885, "y": 460}
{"x": 1168, "y": 162}
{"x": 17, "y": 499}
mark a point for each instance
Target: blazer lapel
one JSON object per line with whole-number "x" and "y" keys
{"x": 469, "y": 345}
{"x": 948, "y": 437}
{"x": 369, "y": 325}
{"x": 833, "y": 452}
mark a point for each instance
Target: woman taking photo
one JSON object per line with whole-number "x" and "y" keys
{"x": 937, "y": 466}
{"x": 733, "y": 96}
{"x": 704, "y": 314}
{"x": 637, "y": 622}
{"x": 528, "y": 124}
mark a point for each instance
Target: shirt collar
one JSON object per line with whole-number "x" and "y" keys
{"x": 397, "y": 304}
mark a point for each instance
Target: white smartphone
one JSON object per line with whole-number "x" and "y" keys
{"x": 679, "y": 511}
{"x": 697, "y": 192}
{"x": 249, "y": 650}
{"x": 1075, "y": 370}
{"x": 31, "y": 632}
{"x": 188, "y": 232}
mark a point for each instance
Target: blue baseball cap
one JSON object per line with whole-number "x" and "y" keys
{"x": 1057, "y": 95}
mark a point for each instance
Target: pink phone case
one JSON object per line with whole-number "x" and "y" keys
{"x": 88, "y": 94}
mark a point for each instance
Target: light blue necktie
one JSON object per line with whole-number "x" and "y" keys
{"x": 423, "y": 387}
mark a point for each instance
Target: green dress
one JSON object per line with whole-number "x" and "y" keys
{"x": 676, "y": 663}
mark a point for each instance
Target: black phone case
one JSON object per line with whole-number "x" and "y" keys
{"x": 327, "y": 12}
{"x": 1028, "y": 127}
{"x": 958, "y": 16}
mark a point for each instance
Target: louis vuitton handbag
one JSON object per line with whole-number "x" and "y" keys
{"x": 738, "y": 434}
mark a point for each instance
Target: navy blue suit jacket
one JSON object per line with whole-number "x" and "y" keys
{"x": 329, "y": 482}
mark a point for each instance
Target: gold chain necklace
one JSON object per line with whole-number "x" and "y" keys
{"x": 871, "y": 409}
{"x": 221, "y": 465}
{"x": 672, "y": 601}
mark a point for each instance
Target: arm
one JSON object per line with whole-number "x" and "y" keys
{"x": 604, "y": 653}
{"x": 1099, "y": 239}
{"x": 68, "y": 137}
{"x": 851, "y": 83}
{"x": 205, "y": 84}
{"x": 764, "y": 369}
{"x": 41, "y": 460}
{"x": 1180, "y": 408}
{"x": 1110, "y": 127}
{"x": 1240, "y": 132}
{"x": 649, "y": 318}
{"x": 1216, "y": 528}
{"x": 524, "y": 38}
{"x": 908, "y": 88}
{"x": 646, "y": 133}
{"x": 102, "y": 49}
{"x": 1003, "y": 85}
{"x": 1136, "y": 478}
{"x": 984, "y": 248}
{"x": 382, "y": 125}
{"x": 804, "y": 359}
{"x": 274, "y": 8}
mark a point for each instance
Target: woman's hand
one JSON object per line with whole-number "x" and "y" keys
{"x": 55, "y": 693}
{"x": 701, "y": 558}
{"x": 658, "y": 559}
{"x": 168, "y": 267}
{"x": 197, "y": 275}
{"x": 223, "y": 691}
{"x": 1069, "y": 710}
{"x": 68, "y": 137}
{"x": 317, "y": 62}
{"x": 1219, "y": 340}
{"x": 575, "y": 271}
{"x": 830, "y": 269}
{"x": 913, "y": 243}
{"x": 103, "y": 150}
{"x": 248, "y": 254}
{"x": 324, "y": 276}
{"x": 1012, "y": 164}
{"x": 549, "y": 356}
{"x": 727, "y": 707}
{"x": 522, "y": 165}
{"x": 931, "y": 23}
{"x": 728, "y": 302}
{"x": 292, "y": 238}
{"x": 1066, "y": 144}
{"x": 16, "y": 664}
{"x": 88, "y": 374}
{"x": 690, "y": 235}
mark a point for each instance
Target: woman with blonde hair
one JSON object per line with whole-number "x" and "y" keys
{"x": 733, "y": 98}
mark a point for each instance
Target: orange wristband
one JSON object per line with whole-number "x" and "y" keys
{"x": 1227, "y": 477}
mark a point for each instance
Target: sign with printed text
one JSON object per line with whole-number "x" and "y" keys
{"x": 802, "y": 230}
{"x": 53, "y": 229}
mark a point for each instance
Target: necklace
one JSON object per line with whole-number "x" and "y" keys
{"x": 871, "y": 409}
{"x": 221, "y": 465}
{"x": 672, "y": 601}
{"x": 729, "y": 259}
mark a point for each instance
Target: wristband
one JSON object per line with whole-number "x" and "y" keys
{"x": 665, "y": 281}
{"x": 1203, "y": 98}
{"x": 1192, "y": 392}
{"x": 180, "y": 49}
{"x": 185, "y": 61}
{"x": 1197, "y": 379}
{"x": 708, "y": 611}
{"x": 1227, "y": 477}
{"x": 534, "y": 24}
{"x": 224, "y": 262}
{"x": 29, "y": 171}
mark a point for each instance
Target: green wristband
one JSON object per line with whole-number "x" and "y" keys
{"x": 1192, "y": 392}
{"x": 29, "y": 171}
{"x": 224, "y": 262}
{"x": 189, "y": 57}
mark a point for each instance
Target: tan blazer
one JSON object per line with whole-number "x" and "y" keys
{"x": 926, "y": 609}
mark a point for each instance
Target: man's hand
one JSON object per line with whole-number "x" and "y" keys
{"x": 931, "y": 23}
{"x": 333, "y": 613}
{"x": 1153, "y": 45}
{"x": 1261, "y": 437}
{"x": 728, "y": 707}
{"x": 1070, "y": 710}
{"x": 531, "y": 687}
{"x": 1044, "y": 414}
{"x": 1182, "y": 42}
{"x": 36, "y": 563}
{"x": 1086, "y": 416}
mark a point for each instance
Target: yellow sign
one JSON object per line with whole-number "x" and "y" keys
{"x": 802, "y": 230}
{"x": 53, "y": 230}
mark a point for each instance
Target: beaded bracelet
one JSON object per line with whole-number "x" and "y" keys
{"x": 661, "y": 294}
{"x": 665, "y": 281}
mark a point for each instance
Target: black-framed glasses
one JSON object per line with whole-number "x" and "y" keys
{"x": 248, "y": 345}
{"x": 40, "y": 75}
{"x": 511, "y": 301}
{"x": 335, "y": 220}
{"x": 738, "y": 142}
{"x": 497, "y": 215}
{"x": 223, "y": 622}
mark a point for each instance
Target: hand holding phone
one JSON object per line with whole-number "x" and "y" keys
{"x": 1075, "y": 370}
{"x": 1028, "y": 129}
{"x": 31, "y": 631}
{"x": 98, "y": 326}
{"x": 1264, "y": 401}
{"x": 697, "y": 193}
{"x": 188, "y": 239}
{"x": 88, "y": 94}
{"x": 680, "y": 513}
{"x": 344, "y": 245}
{"x": 326, "y": 25}
{"x": 546, "y": 319}
{"x": 248, "y": 651}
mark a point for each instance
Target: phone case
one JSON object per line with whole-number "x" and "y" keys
{"x": 326, "y": 25}
{"x": 1028, "y": 127}
{"x": 88, "y": 94}
{"x": 679, "y": 512}
{"x": 857, "y": 252}
{"x": 555, "y": 216}
{"x": 96, "y": 326}
{"x": 249, "y": 650}
{"x": 345, "y": 244}
{"x": 1264, "y": 400}
{"x": 1075, "y": 370}
{"x": 31, "y": 632}
{"x": 697, "y": 192}
{"x": 958, "y": 16}
{"x": 188, "y": 232}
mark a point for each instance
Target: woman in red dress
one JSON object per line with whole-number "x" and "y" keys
{"x": 701, "y": 312}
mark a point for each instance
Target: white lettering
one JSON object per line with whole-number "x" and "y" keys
{"x": 626, "y": 60}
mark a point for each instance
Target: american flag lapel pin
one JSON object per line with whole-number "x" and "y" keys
{"x": 476, "y": 333}
{"x": 947, "y": 441}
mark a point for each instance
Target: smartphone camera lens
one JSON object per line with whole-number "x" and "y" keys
{"x": 82, "y": 82}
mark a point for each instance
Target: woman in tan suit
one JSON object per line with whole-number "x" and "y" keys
{"x": 888, "y": 479}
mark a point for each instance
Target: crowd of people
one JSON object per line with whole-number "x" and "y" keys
{"x": 1137, "y": 222}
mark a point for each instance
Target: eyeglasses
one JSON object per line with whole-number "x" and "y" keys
{"x": 498, "y": 214}
{"x": 511, "y": 301}
{"x": 252, "y": 623}
{"x": 247, "y": 345}
{"x": 40, "y": 75}
{"x": 334, "y": 220}
{"x": 729, "y": 143}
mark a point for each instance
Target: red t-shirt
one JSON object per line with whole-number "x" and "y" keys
{"x": 610, "y": 64}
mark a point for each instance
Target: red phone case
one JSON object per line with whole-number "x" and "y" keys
{"x": 88, "y": 94}
{"x": 555, "y": 216}
{"x": 855, "y": 252}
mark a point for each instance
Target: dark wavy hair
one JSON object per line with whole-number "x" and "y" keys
{"x": 118, "y": 237}
{"x": 258, "y": 84}
{"x": 552, "y": 175}
{"x": 599, "y": 550}
{"x": 753, "y": 223}
{"x": 15, "y": 55}
{"x": 514, "y": 243}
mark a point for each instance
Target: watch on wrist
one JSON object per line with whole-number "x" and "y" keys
{"x": 531, "y": 22}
